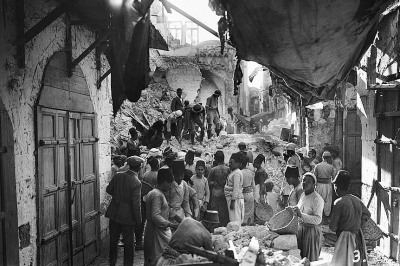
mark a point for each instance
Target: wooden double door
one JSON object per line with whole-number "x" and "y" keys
{"x": 69, "y": 225}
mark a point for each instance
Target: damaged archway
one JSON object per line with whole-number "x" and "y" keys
{"x": 209, "y": 84}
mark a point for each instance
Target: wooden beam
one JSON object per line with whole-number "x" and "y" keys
{"x": 383, "y": 87}
{"x": 168, "y": 5}
{"x": 20, "y": 16}
{"x": 75, "y": 62}
{"x": 391, "y": 8}
{"x": 103, "y": 77}
{"x": 43, "y": 23}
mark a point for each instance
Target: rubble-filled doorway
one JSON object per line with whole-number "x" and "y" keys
{"x": 8, "y": 200}
{"x": 68, "y": 186}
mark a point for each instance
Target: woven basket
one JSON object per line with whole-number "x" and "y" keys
{"x": 264, "y": 212}
{"x": 371, "y": 230}
{"x": 284, "y": 222}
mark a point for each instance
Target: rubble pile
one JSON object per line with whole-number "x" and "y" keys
{"x": 153, "y": 105}
{"x": 276, "y": 125}
{"x": 275, "y": 249}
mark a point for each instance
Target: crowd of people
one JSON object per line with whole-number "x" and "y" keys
{"x": 161, "y": 192}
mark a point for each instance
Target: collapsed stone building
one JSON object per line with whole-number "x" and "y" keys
{"x": 55, "y": 124}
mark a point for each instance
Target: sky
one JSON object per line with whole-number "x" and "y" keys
{"x": 201, "y": 11}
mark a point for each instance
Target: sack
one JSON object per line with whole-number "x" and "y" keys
{"x": 371, "y": 230}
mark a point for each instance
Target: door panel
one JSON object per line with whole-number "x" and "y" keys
{"x": 8, "y": 200}
{"x": 69, "y": 185}
{"x": 353, "y": 150}
{"x": 90, "y": 204}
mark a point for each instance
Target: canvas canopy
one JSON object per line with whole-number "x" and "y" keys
{"x": 311, "y": 44}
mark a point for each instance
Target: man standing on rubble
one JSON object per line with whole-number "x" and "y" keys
{"x": 177, "y": 104}
{"x": 213, "y": 113}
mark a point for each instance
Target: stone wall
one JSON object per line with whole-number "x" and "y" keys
{"x": 19, "y": 90}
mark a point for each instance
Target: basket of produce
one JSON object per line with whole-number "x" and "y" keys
{"x": 371, "y": 230}
{"x": 284, "y": 222}
{"x": 264, "y": 212}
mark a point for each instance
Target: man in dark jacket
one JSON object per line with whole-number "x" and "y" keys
{"x": 124, "y": 209}
{"x": 177, "y": 102}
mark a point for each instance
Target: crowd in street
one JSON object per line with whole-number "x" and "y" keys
{"x": 155, "y": 194}
{"x": 163, "y": 200}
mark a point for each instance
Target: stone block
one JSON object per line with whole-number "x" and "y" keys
{"x": 220, "y": 231}
{"x": 285, "y": 242}
{"x": 233, "y": 226}
{"x": 295, "y": 253}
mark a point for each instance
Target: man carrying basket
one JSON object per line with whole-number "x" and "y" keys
{"x": 309, "y": 210}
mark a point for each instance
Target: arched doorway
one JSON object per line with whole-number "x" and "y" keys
{"x": 68, "y": 186}
{"x": 8, "y": 199}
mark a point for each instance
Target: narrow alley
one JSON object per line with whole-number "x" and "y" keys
{"x": 199, "y": 132}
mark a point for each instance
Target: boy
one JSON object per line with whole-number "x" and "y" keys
{"x": 200, "y": 185}
{"x": 272, "y": 197}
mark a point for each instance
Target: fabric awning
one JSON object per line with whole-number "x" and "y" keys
{"x": 311, "y": 44}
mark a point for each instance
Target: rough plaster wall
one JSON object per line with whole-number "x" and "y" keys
{"x": 19, "y": 90}
{"x": 188, "y": 78}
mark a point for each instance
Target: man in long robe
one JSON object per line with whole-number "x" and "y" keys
{"x": 234, "y": 189}
{"x": 217, "y": 180}
{"x": 157, "y": 233}
{"x": 347, "y": 216}
{"x": 325, "y": 173}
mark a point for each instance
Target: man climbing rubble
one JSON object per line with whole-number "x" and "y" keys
{"x": 213, "y": 113}
{"x": 171, "y": 126}
{"x": 197, "y": 114}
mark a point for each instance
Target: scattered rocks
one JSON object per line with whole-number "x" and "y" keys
{"x": 233, "y": 226}
{"x": 220, "y": 231}
{"x": 285, "y": 242}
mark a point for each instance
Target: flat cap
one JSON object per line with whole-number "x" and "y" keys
{"x": 134, "y": 161}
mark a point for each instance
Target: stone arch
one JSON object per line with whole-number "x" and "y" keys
{"x": 210, "y": 83}
{"x": 67, "y": 167}
{"x": 62, "y": 92}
